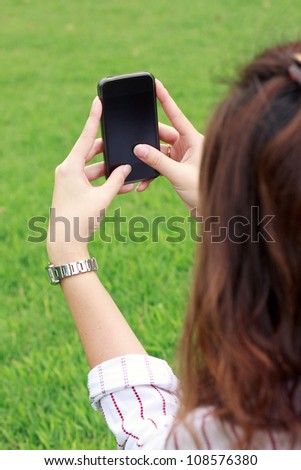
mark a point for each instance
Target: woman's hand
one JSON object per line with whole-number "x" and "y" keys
{"x": 77, "y": 206}
{"x": 183, "y": 168}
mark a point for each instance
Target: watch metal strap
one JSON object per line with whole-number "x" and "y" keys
{"x": 57, "y": 273}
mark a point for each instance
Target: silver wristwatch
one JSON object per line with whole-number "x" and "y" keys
{"x": 57, "y": 273}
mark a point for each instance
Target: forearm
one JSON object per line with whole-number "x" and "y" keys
{"x": 103, "y": 331}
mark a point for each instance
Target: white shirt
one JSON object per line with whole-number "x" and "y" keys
{"x": 137, "y": 396}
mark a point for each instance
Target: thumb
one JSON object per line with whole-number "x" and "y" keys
{"x": 115, "y": 181}
{"x": 157, "y": 160}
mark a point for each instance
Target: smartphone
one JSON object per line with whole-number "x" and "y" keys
{"x": 129, "y": 117}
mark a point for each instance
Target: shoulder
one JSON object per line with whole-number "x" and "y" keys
{"x": 201, "y": 429}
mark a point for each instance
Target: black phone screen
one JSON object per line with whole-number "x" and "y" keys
{"x": 129, "y": 118}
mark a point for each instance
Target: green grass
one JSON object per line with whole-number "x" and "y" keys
{"x": 53, "y": 54}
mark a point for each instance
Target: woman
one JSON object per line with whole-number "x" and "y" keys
{"x": 241, "y": 343}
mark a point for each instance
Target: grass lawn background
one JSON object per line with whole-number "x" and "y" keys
{"x": 52, "y": 55}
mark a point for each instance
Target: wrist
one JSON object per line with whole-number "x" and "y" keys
{"x": 66, "y": 253}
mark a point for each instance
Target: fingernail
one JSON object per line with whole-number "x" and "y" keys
{"x": 126, "y": 169}
{"x": 141, "y": 151}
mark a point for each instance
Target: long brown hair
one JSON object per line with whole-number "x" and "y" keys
{"x": 241, "y": 346}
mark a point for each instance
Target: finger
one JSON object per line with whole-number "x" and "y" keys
{"x": 126, "y": 188}
{"x": 173, "y": 112}
{"x": 115, "y": 181}
{"x": 143, "y": 185}
{"x": 168, "y": 134}
{"x": 95, "y": 171}
{"x": 87, "y": 138}
{"x": 156, "y": 159}
{"x": 173, "y": 156}
{"x": 95, "y": 150}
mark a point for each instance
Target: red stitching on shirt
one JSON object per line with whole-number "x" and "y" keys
{"x": 204, "y": 430}
{"x": 125, "y": 372}
{"x": 141, "y": 408}
{"x": 163, "y": 399}
{"x": 152, "y": 421}
{"x": 101, "y": 380}
{"x": 121, "y": 417}
{"x": 105, "y": 418}
{"x": 140, "y": 402}
{"x": 149, "y": 370}
{"x": 120, "y": 445}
